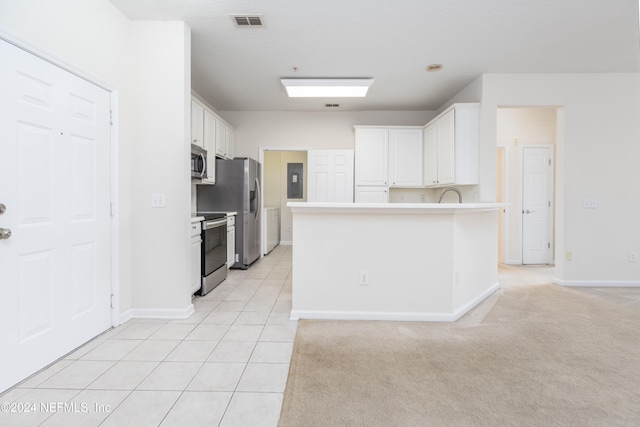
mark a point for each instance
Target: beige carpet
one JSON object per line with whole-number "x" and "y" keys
{"x": 532, "y": 356}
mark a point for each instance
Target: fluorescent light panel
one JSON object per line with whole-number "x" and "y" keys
{"x": 326, "y": 88}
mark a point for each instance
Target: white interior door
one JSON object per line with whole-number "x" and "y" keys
{"x": 55, "y": 184}
{"x": 536, "y": 205}
{"x": 330, "y": 176}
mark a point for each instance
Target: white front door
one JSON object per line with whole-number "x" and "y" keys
{"x": 330, "y": 177}
{"x": 536, "y": 205}
{"x": 55, "y": 183}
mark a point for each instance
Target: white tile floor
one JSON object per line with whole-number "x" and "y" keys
{"x": 226, "y": 365}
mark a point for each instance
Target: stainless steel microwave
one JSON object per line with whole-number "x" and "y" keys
{"x": 198, "y": 162}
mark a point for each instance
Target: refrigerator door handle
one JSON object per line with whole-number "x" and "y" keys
{"x": 257, "y": 184}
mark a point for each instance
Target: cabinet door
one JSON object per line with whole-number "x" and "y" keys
{"x": 372, "y": 154}
{"x": 405, "y": 157}
{"x": 221, "y": 138}
{"x": 197, "y": 124}
{"x": 372, "y": 195}
{"x": 210, "y": 146}
{"x": 430, "y": 163}
{"x": 446, "y": 149}
{"x": 229, "y": 137}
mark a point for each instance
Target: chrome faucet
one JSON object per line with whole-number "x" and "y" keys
{"x": 451, "y": 189}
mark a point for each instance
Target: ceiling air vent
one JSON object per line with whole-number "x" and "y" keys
{"x": 332, "y": 105}
{"x": 247, "y": 20}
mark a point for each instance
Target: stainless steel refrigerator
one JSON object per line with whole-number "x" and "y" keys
{"x": 237, "y": 189}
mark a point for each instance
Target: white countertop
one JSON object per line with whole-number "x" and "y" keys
{"x": 391, "y": 208}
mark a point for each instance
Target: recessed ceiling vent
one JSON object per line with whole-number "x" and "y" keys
{"x": 247, "y": 20}
{"x": 332, "y": 105}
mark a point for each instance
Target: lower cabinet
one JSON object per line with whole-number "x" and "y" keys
{"x": 231, "y": 240}
{"x": 372, "y": 194}
{"x": 196, "y": 260}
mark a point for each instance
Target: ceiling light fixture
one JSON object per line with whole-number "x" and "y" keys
{"x": 326, "y": 87}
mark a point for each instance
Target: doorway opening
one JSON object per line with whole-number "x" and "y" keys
{"x": 276, "y": 189}
{"x": 527, "y": 138}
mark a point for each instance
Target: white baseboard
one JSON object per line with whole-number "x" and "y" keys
{"x": 598, "y": 283}
{"x": 394, "y": 316}
{"x": 286, "y": 242}
{"x": 457, "y": 314}
{"x": 370, "y": 315}
{"x": 156, "y": 313}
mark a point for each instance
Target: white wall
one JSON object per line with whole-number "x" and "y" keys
{"x": 151, "y": 113}
{"x": 160, "y": 102}
{"x": 313, "y": 130}
{"x": 596, "y": 156}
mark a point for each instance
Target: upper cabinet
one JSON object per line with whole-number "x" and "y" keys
{"x": 197, "y": 123}
{"x": 405, "y": 157}
{"x": 451, "y": 147}
{"x": 213, "y": 134}
{"x": 389, "y": 156}
{"x": 225, "y": 135}
{"x": 210, "y": 146}
{"x": 372, "y": 156}
{"x": 444, "y": 152}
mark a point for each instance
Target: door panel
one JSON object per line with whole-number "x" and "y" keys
{"x": 330, "y": 176}
{"x": 535, "y": 206}
{"x": 55, "y": 183}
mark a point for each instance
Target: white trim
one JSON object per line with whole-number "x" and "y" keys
{"x": 597, "y": 283}
{"x": 157, "y": 313}
{"x": 26, "y": 45}
{"x": 513, "y": 262}
{"x": 474, "y": 302}
{"x": 394, "y": 316}
{"x": 286, "y": 242}
{"x": 505, "y": 199}
{"x": 114, "y": 244}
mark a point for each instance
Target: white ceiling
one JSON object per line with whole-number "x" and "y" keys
{"x": 393, "y": 41}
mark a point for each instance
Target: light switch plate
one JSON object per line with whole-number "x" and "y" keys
{"x": 589, "y": 203}
{"x": 158, "y": 200}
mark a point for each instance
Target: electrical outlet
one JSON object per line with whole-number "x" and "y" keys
{"x": 423, "y": 198}
{"x": 569, "y": 256}
{"x": 364, "y": 277}
{"x": 632, "y": 257}
{"x": 589, "y": 203}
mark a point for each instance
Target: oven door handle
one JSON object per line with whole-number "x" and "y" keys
{"x": 213, "y": 224}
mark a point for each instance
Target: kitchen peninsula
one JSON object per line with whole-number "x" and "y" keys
{"x": 393, "y": 261}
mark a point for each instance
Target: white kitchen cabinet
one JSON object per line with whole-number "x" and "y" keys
{"x": 225, "y": 139}
{"x": 221, "y": 144}
{"x": 372, "y": 194}
{"x": 405, "y": 157}
{"x": 231, "y": 240}
{"x": 196, "y": 260}
{"x": 451, "y": 143}
{"x": 372, "y": 156}
{"x": 229, "y": 139}
{"x": 197, "y": 123}
{"x": 210, "y": 146}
